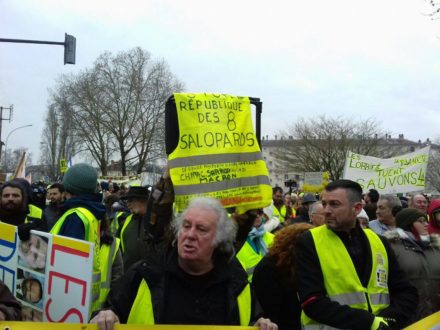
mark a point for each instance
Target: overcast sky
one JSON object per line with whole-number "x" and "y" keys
{"x": 361, "y": 59}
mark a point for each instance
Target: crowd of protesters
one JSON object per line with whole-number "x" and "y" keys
{"x": 340, "y": 259}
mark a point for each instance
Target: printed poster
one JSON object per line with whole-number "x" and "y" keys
{"x": 50, "y": 275}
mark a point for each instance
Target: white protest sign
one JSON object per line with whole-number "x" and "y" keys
{"x": 401, "y": 174}
{"x": 50, "y": 275}
{"x": 313, "y": 178}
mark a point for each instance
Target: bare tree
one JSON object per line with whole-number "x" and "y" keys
{"x": 49, "y": 142}
{"x": 88, "y": 117}
{"x": 116, "y": 109}
{"x": 57, "y": 140}
{"x": 14, "y": 156}
{"x": 135, "y": 90}
{"x": 321, "y": 144}
{"x": 434, "y": 9}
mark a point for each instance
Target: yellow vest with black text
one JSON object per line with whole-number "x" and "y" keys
{"x": 249, "y": 259}
{"x": 107, "y": 255}
{"x": 218, "y": 154}
{"x": 341, "y": 280}
{"x": 92, "y": 234}
{"x": 142, "y": 309}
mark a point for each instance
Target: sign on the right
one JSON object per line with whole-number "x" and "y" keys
{"x": 401, "y": 174}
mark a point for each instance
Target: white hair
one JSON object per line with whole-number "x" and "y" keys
{"x": 226, "y": 228}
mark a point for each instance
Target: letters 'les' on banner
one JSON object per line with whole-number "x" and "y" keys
{"x": 218, "y": 154}
{"x": 401, "y": 174}
{"x": 50, "y": 275}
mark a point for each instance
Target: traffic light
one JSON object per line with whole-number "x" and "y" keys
{"x": 69, "y": 49}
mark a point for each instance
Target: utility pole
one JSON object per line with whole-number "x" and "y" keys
{"x": 69, "y": 46}
{"x": 8, "y": 117}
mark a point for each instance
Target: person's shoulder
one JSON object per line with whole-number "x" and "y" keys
{"x": 304, "y": 237}
{"x": 267, "y": 266}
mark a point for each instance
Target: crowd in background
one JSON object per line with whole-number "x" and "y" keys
{"x": 276, "y": 248}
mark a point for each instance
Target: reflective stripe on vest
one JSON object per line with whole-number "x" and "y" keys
{"x": 124, "y": 226}
{"x": 249, "y": 259}
{"x": 91, "y": 228}
{"x": 141, "y": 311}
{"x": 222, "y": 159}
{"x": 280, "y": 214}
{"x": 107, "y": 256}
{"x": 340, "y": 277}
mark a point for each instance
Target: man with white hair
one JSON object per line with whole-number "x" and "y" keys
{"x": 197, "y": 281}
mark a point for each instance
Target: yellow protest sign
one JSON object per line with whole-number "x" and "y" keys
{"x": 428, "y": 323}
{"x": 218, "y": 154}
{"x": 63, "y": 165}
{"x": 76, "y": 326}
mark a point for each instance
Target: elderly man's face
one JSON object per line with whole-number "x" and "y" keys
{"x": 317, "y": 218}
{"x": 383, "y": 211}
{"x": 195, "y": 241}
{"x": 12, "y": 199}
{"x": 420, "y": 203}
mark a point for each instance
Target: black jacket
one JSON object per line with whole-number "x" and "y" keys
{"x": 168, "y": 286}
{"x": 313, "y": 295}
{"x": 277, "y": 297}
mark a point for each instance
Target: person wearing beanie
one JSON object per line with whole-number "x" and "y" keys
{"x": 418, "y": 254}
{"x": 82, "y": 212}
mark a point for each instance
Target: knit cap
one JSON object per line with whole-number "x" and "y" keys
{"x": 80, "y": 179}
{"x": 406, "y": 218}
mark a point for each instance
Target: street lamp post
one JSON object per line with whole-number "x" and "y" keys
{"x": 6, "y": 144}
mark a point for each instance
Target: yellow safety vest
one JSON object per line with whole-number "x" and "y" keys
{"x": 341, "y": 280}
{"x": 280, "y": 214}
{"x": 92, "y": 234}
{"x": 124, "y": 226}
{"x": 34, "y": 212}
{"x": 114, "y": 225}
{"x": 218, "y": 153}
{"x": 249, "y": 259}
{"x": 107, "y": 256}
{"x": 142, "y": 310}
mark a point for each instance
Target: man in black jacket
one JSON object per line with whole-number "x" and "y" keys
{"x": 197, "y": 282}
{"x": 349, "y": 278}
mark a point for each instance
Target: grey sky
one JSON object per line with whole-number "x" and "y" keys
{"x": 302, "y": 58}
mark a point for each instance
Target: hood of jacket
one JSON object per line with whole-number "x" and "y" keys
{"x": 91, "y": 202}
{"x": 433, "y": 227}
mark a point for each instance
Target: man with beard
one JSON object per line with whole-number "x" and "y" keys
{"x": 52, "y": 212}
{"x": 14, "y": 208}
{"x": 276, "y": 212}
